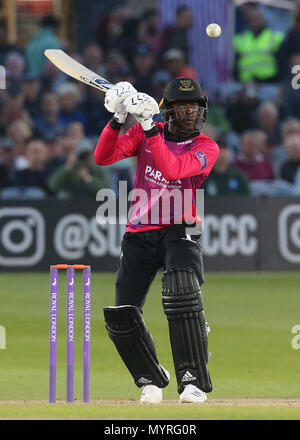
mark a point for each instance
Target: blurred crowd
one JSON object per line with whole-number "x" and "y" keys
{"x": 50, "y": 124}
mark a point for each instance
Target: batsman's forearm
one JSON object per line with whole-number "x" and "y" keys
{"x": 105, "y": 152}
{"x": 111, "y": 147}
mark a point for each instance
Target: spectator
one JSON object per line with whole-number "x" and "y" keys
{"x": 217, "y": 116}
{"x": 31, "y": 89}
{"x": 159, "y": 80}
{"x": 289, "y": 169}
{"x": 257, "y": 49}
{"x": 52, "y": 77}
{"x": 211, "y": 131}
{"x": 115, "y": 61}
{"x": 149, "y": 30}
{"x": 225, "y": 180}
{"x": 93, "y": 59}
{"x": 37, "y": 173}
{"x": 19, "y": 133}
{"x": 125, "y": 74}
{"x": 14, "y": 109}
{"x": 289, "y": 127}
{"x": 265, "y": 147}
{"x": 48, "y": 123}
{"x": 268, "y": 121}
{"x": 143, "y": 63}
{"x": 176, "y": 35}
{"x": 69, "y": 100}
{"x": 75, "y": 130}
{"x": 69, "y": 145}
{"x": 96, "y": 113}
{"x": 15, "y": 66}
{"x": 251, "y": 160}
{"x": 44, "y": 39}
{"x": 291, "y": 43}
{"x": 241, "y": 108}
{"x": 128, "y": 41}
{"x": 175, "y": 64}
{"x": 80, "y": 176}
{"x": 55, "y": 153}
{"x": 5, "y": 46}
{"x": 108, "y": 30}
{"x": 7, "y": 163}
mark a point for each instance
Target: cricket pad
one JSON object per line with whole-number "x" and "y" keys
{"x": 126, "y": 328}
{"x": 183, "y": 306}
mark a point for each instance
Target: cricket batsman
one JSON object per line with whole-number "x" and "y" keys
{"x": 171, "y": 156}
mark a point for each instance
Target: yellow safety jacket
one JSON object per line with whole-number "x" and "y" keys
{"x": 256, "y": 54}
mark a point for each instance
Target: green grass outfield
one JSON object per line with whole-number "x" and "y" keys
{"x": 254, "y": 369}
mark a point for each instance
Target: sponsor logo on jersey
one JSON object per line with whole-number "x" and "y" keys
{"x": 157, "y": 175}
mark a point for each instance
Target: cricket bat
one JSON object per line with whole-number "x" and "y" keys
{"x": 76, "y": 70}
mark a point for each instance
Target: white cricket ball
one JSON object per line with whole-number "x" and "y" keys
{"x": 213, "y": 30}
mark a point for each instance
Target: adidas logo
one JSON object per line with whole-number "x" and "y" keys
{"x": 144, "y": 381}
{"x": 188, "y": 377}
{"x": 197, "y": 393}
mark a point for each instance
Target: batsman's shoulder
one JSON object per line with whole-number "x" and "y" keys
{"x": 208, "y": 143}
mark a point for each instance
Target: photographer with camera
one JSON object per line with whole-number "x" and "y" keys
{"x": 80, "y": 177}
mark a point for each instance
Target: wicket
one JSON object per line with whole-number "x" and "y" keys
{"x": 70, "y": 330}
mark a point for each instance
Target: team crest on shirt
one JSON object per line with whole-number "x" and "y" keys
{"x": 202, "y": 158}
{"x": 186, "y": 85}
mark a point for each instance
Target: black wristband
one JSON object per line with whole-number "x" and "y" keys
{"x": 154, "y": 131}
{"x": 114, "y": 124}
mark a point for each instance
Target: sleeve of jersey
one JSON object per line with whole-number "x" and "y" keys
{"x": 111, "y": 147}
{"x": 192, "y": 163}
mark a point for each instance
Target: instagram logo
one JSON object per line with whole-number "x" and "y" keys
{"x": 289, "y": 233}
{"x": 22, "y": 236}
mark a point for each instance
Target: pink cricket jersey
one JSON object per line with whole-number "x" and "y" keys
{"x": 167, "y": 176}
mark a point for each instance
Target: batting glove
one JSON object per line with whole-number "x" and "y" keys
{"x": 115, "y": 97}
{"x": 143, "y": 107}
